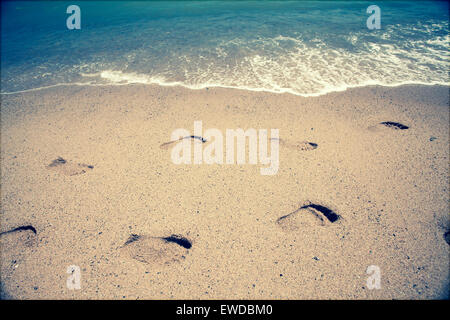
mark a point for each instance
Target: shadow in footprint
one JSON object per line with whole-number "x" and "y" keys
{"x": 447, "y": 237}
{"x": 157, "y": 251}
{"x": 68, "y": 168}
{"x": 394, "y": 125}
{"x": 21, "y": 228}
{"x": 302, "y": 145}
{"x": 308, "y": 215}
{"x": 389, "y": 124}
{"x": 167, "y": 145}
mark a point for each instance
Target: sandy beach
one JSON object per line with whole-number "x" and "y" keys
{"x": 114, "y": 199}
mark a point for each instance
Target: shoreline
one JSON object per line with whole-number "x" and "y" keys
{"x": 261, "y": 90}
{"x": 113, "y": 201}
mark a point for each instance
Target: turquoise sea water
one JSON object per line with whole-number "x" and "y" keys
{"x": 302, "y": 47}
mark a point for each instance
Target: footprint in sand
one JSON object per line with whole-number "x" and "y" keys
{"x": 309, "y": 214}
{"x": 389, "y": 124}
{"x": 302, "y": 145}
{"x": 167, "y": 145}
{"x": 15, "y": 245}
{"x": 156, "y": 250}
{"x": 68, "y": 168}
{"x": 3, "y": 294}
{"x": 20, "y": 236}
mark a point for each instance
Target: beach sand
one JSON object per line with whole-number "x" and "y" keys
{"x": 107, "y": 205}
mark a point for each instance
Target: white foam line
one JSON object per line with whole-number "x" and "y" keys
{"x": 200, "y": 87}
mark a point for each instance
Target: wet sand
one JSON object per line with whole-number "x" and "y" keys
{"x": 83, "y": 166}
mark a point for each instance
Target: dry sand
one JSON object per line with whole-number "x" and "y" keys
{"x": 107, "y": 207}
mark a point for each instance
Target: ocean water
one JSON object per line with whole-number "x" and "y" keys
{"x": 302, "y": 47}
